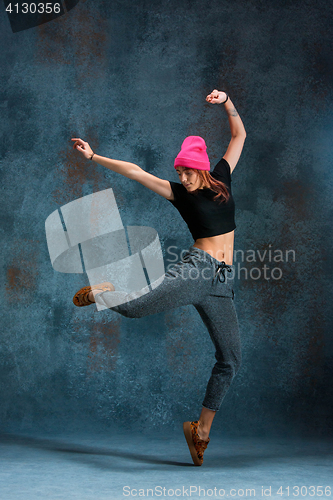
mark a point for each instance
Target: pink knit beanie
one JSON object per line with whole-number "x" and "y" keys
{"x": 193, "y": 154}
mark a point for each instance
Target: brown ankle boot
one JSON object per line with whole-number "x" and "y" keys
{"x": 196, "y": 445}
{"x": 80, "y": 299}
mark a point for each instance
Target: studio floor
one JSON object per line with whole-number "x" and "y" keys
{"x": 128, "y": 465}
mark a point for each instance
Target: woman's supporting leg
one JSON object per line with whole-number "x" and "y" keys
{"x": 219, "y": 316}
{"x": 205, "y": 423}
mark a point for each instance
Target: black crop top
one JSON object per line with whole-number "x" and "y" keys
{"x": 204, "y": 216}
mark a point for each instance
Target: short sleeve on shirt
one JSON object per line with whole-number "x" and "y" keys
{"x": 222, "y": 172}
{"x": 178, "y": 191}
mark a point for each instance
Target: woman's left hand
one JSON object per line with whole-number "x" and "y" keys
{"x": 216, "y": 97}
{"x": 83, "y": 147}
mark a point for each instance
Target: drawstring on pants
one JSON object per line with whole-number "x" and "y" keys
{"x": 220, "y": 271}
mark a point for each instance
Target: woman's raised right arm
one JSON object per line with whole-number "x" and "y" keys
{"x": 237, "y": 128}
{"x": 127, "y": 169}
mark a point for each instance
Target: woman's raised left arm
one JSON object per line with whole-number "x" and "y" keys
{"x": 238, "y": 133}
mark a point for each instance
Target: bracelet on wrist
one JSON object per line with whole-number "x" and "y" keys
{"x": 91, "y": 157}
{"x": 226, "y": 99}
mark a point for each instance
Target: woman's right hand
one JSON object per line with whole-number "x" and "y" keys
{"x": 83, "y": 147}
{"x": 216, "y": 97}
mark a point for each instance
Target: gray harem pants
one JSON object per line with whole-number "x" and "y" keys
{"x": 207, "y": 284}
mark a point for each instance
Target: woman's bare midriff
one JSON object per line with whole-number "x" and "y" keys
{"x": 220, "y": 247}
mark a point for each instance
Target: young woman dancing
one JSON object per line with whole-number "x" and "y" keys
{"x": 204, "y": 276}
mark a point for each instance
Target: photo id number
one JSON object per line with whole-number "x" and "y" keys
{"x": 302, "y": 491}
{"x": 34, "y": 8}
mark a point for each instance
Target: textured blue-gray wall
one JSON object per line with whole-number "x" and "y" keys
{"x": 131, "y": 78}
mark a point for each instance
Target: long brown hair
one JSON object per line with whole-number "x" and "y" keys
{"x": 219, "y": 187}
